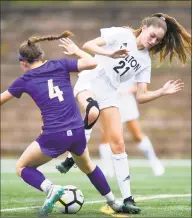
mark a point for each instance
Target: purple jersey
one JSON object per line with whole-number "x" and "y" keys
{"x": 50, "y": 87}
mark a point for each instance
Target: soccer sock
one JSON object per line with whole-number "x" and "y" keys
{"x": 98, "y": 179}
{"x": 46, "y": 185}
{"x": 106, "y": 159}
{"x": 87, "y": 134}
{"x": 110, "y": 196}
{"x": 33, "y": 177}
{"x": 121, "y": 166}
{"x": 147, "y": 148}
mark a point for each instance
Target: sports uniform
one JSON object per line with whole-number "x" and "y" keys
{"x": 104, "y": 80}
{"x": 127, "y": 103}
{"x": 49, "y": 86}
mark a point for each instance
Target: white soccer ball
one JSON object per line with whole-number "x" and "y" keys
{"x": 71, "y": 201}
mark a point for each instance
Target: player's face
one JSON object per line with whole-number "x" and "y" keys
{"x": 151, "y": 36}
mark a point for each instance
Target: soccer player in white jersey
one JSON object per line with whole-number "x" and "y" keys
{"x": 96, "y": 90}
{"x": 130, "y": 117}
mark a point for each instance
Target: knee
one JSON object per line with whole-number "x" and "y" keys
{"x": 117, "y": 146}
{"x": 19, "y": 168}
{"x": 93, "y": 115}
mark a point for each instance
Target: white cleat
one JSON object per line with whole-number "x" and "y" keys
{"x": 158, "y": 168}
{"x": 54, "y": 194}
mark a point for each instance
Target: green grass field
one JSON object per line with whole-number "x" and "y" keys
{"x": 166, "y": 196}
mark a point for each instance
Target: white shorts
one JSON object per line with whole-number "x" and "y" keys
{"x": 100, "y": 85}
{"x": 128, "y": 108}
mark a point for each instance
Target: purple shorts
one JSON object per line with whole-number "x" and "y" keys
{"x": 55, "y": 144}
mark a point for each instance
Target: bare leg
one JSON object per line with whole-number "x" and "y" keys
{"x": 111, "y": 124}
{"x": 26, "y": 166}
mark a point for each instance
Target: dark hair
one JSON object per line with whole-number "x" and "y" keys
{"x": 175, "y": 43}
{"x": 32, "y": 52}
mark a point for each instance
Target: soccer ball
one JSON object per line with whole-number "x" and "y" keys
{"x": 71, "y": 201}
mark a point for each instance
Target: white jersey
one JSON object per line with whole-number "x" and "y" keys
{"x": 137, "y": 64}
{"x": 128, "y": 84}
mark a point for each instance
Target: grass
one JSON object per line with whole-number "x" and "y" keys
{"x": 176, "y": 180}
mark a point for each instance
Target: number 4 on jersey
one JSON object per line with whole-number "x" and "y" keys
{"x": 54, "y": 91}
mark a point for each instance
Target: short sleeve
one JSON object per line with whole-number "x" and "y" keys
{"x": 70, "y": 64}
{"x": 17, "y": 88}
{"x": 109, "y": 35}
{"x": 144, "y": 75}
{"x": 113, "y": 34}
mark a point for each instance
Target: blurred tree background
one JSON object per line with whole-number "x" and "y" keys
{"x": 167, "y": 121}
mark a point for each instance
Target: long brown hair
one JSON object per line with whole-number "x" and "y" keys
{"x": 176, "y": 42}
{"x": 31, "y": 51}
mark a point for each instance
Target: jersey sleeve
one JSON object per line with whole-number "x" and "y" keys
{"x": 17, "y": 88}
{"x": 113, "y": 34}
{"x": 108, "y": 34}
{"x": 144, "y": 75}
{"x": 70, "y": 64}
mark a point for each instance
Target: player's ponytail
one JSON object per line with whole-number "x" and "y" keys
{"x": 31, "y": 51}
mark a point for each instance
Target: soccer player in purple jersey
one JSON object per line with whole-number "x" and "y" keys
{"x": 47, "y": 82}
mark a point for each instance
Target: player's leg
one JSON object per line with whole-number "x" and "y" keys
{"x": 144, "y": 144}
{"x": 105, "y": 155}
{"x": 26, "y": 168}
{"x": 99, "y": 181}
{"x": 86, "y": 100}
{"x": 111, "y": 123}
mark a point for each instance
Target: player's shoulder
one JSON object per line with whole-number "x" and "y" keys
{"x": 118, "y": 29}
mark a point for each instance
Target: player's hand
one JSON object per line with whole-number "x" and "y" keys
{"x": 70, "y": 47}
{"x": 172, "y": 86}
{"x": 121, "y": 53}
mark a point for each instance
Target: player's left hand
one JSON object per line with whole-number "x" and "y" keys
{"x": 172, "y": 86}
{"x": 70, "y": 47}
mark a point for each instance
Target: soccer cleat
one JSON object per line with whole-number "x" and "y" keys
{"x": 66, "y": 165}
{"x": 54, "y": 194}
{"x": 115, "y": 205}
{"x": 129, "y": 206}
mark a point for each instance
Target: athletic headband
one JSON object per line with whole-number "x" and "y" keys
{"x": 21, "y": 58}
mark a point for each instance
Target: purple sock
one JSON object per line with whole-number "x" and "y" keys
{"x": 99, "y": 181}
{"x": 33, "y": 177}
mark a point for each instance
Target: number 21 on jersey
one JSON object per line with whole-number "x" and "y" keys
{"x": 54, "y": 91}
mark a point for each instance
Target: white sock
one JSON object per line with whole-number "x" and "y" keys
{"x": 87, "y": 134}
{"x": 69, "y": 155}
{"x": 106, "y": 159}
{"x": 46, "y": 185}
{"x": 147, "y": 148}
{"x": 109, "y": 197}
{"x": 121, "y": 166}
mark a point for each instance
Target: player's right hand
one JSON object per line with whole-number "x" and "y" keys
{"x": 69, "y": 46}
{"x": 121, "y": 53}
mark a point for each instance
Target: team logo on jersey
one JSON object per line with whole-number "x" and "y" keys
{"x": 69, "y": 133}
{"x": 127, "y": 178}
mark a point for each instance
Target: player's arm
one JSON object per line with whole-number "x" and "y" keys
{"x": 170, "y": 87}
{"x": 95, "y": 46}
{"x": 5, "y": 96}
{"x": 86, "y": 61}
